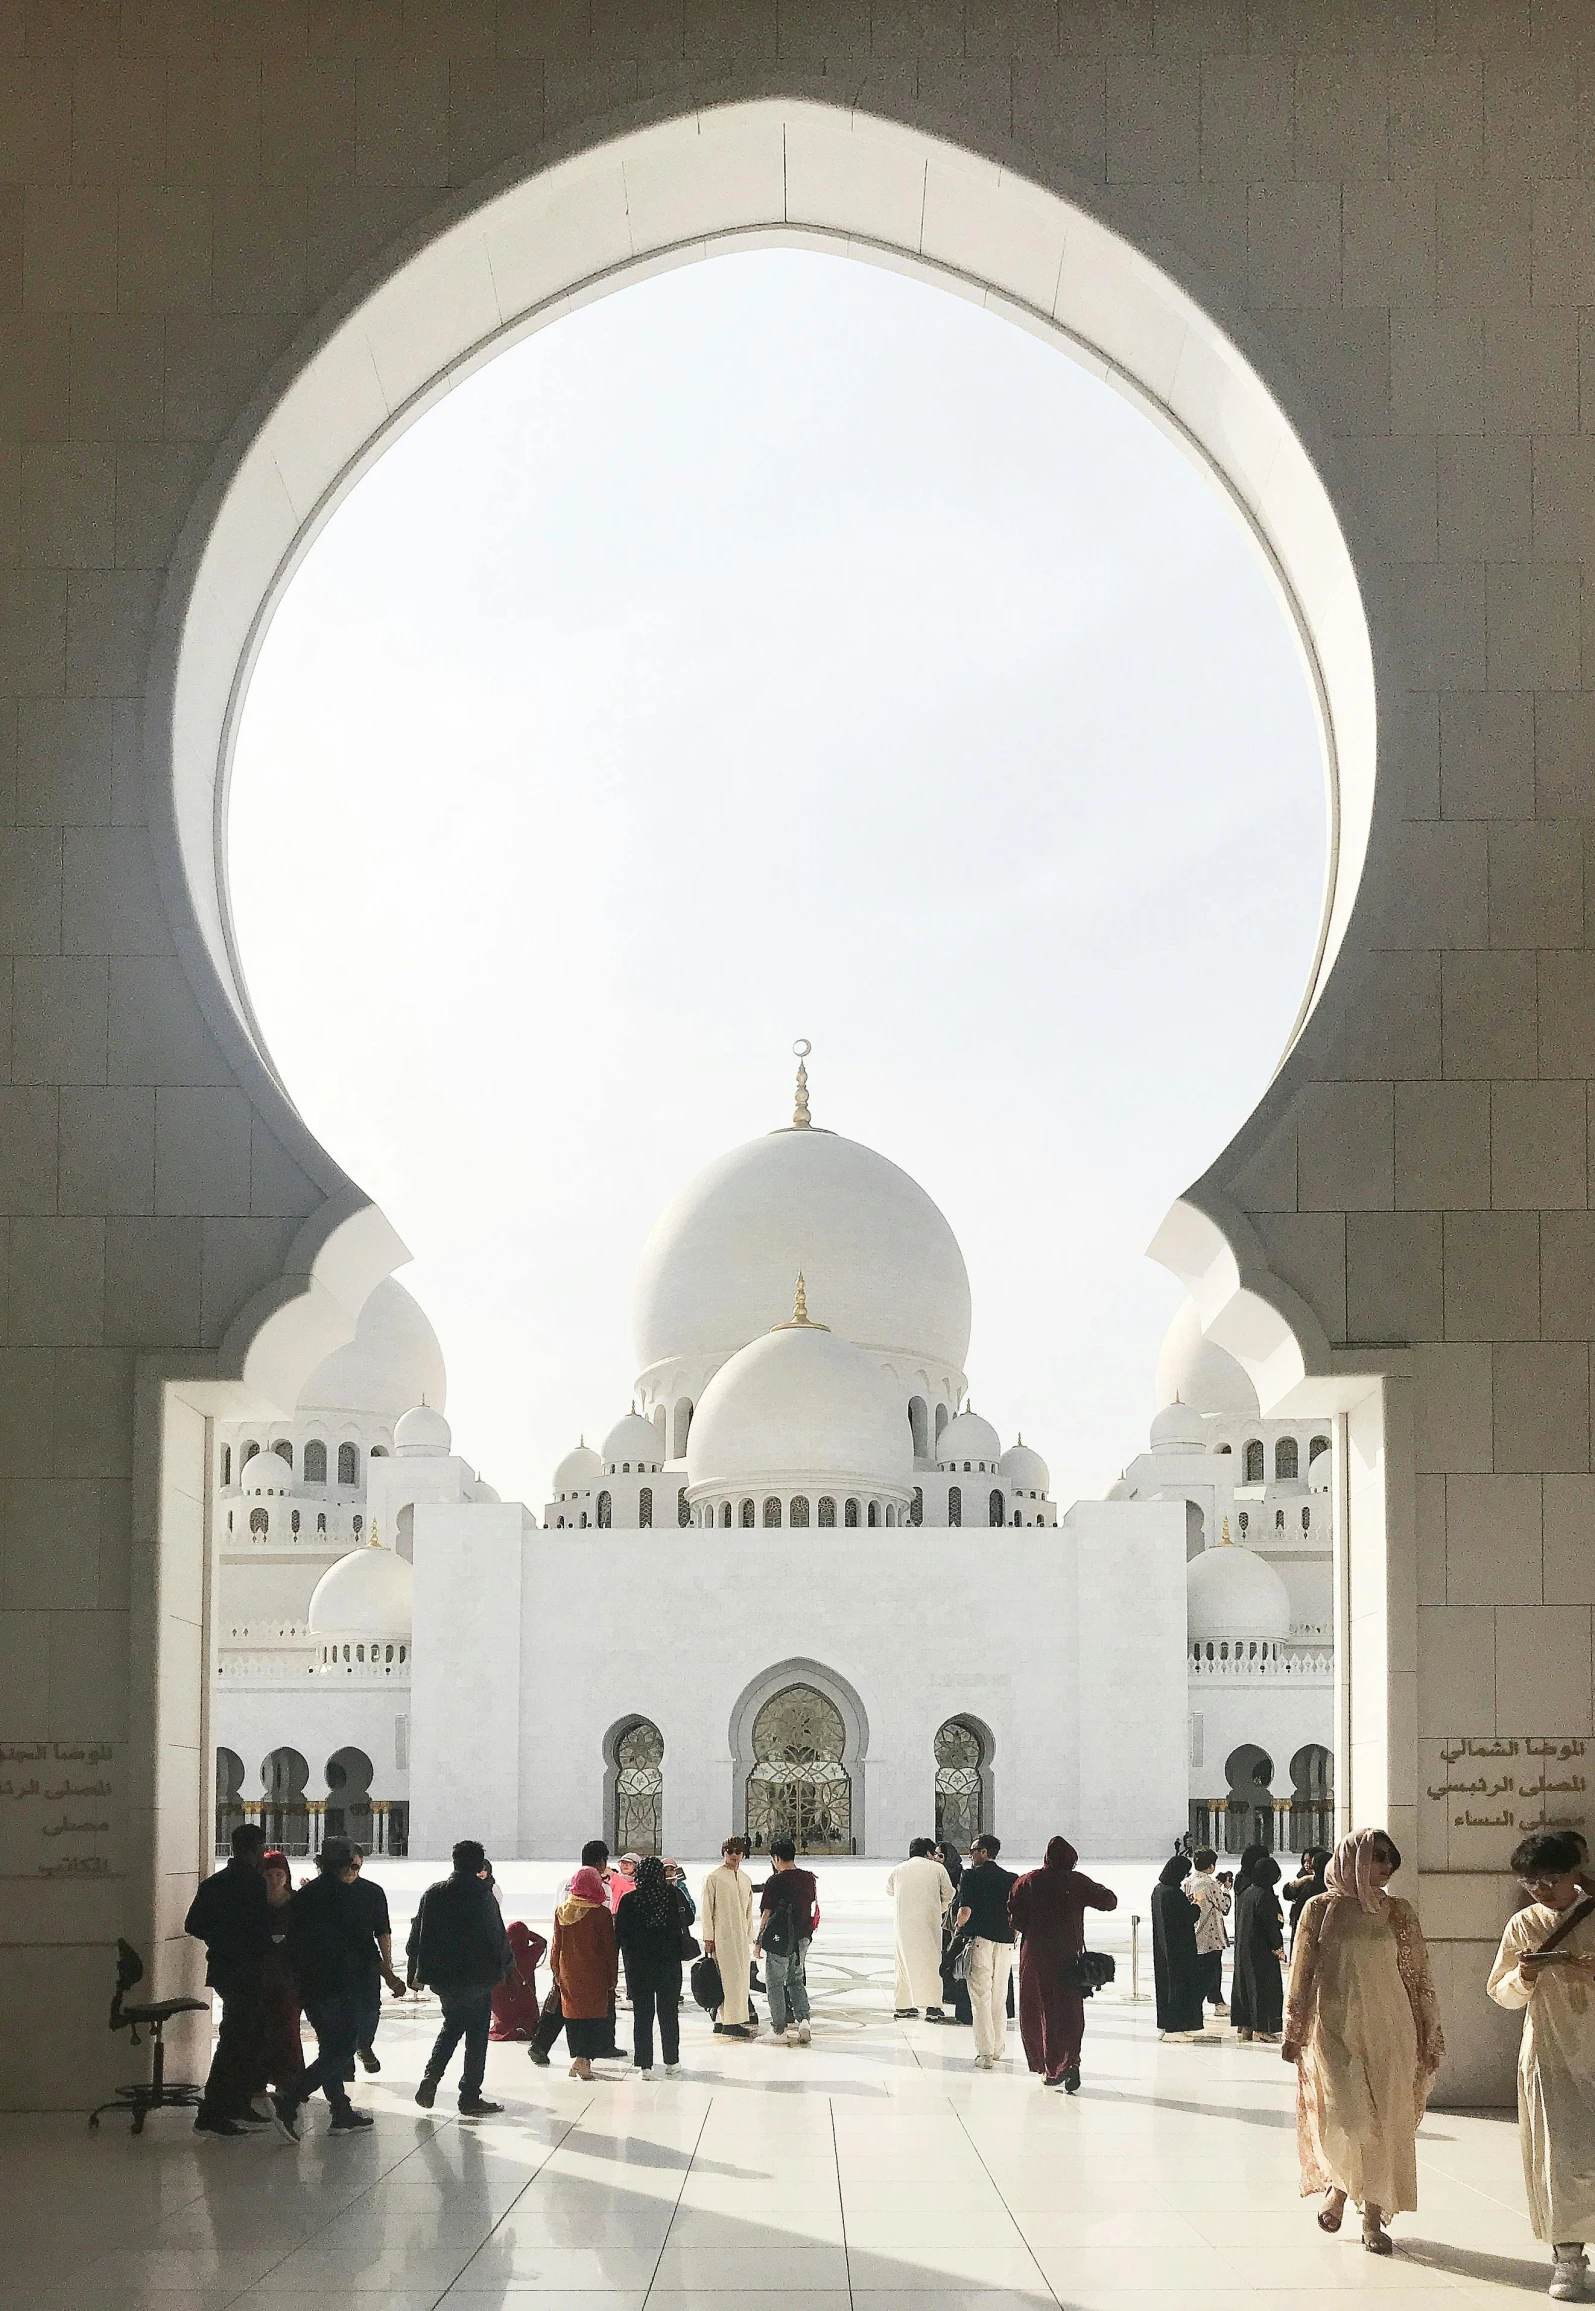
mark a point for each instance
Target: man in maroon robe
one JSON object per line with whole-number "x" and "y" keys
{"x": 1048, "y": 1909}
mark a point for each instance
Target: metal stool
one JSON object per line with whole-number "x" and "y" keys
{"x": 156, "y": 2094}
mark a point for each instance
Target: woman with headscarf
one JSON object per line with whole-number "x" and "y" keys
{"x": 650, "y": 1926}
{"x": 1308, "y": 1881}
{"x": 585, "y": 1967}
{"x": 515, "y": 2001}
{"x": 728, "y": 1939}
{"x": 1243, "y": 1874}
{"x": 954, "y": 1988}
{"x": 1048, "y": 1907}
{"x": 1176, "y": 1963}
{"x": 283, "y": 2049}
{"x": 1362, "y": 2026}
{"x": 1257, "y": 1995}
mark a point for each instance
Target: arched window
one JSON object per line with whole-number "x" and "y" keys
{"x": 581, "y": 1521}
{"x": 1017, "y": 1518}
{"x": 799, "y": 1512}
{"x": 227, "y": 1478}
{"x": 315, "y": 1465}
{"x": 682, "y": 1425}
{"x": 349, "y": 1776}
{"x": 850, "y": 1513}
{"x": 800, "y": 1786}
{"x": 284, "y": 1450}
{"x": 955, "y": 1504}
{"x": 258, "y": 1521}
{"x": 875, "y": 1512}
{"x": 919, "y": 1427}
{"x": 1306, "y": 1518}
{"x": 379, "y": 1452}
{"x": 941, "y": 1421}
{"x": 749, "y": 1516}
{"x": 1285, "y": 1460}
{"x": 357, "y": 1523}
{"x": 246, "y": 1454}
{"x": 827, "y": 1514}
{"x": 960, "y": 1755}
{"x": 637, "y": 1810}
{"x": 285, "y": 1817}
{"x": 682, "y": 1510}
{"x": 603, "y": 1512}
{"x": 1319, "y": 1444}
{"x": 1279, "y": 1520}
{"x": 321, "y": 1523}
{"x": 645, "y": 1506}
{"x": 725, "y": 1512}
{"x": 1254, "y": 1461}
{"x": 348, "y": 1464}
{"x": 994, "y": 1509}
{"x": 772, "y": 1511}
{"x": 229, "y": 1520}
{"x": 1245, "y": 1523}
{"x": 916, "y": 1507}
{"x": 293, "y": 1524}
{"x": 1222, "y": 1448}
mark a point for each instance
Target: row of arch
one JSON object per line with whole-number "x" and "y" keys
{"x": 313, "y": 1468}
{"x": 291, "y": 1520}
{"x": 1253, "y": 1815}
{"x": 799, "y": 1783}
{"x": 1287, "y": 1458}
{"x": 296, "y": 1822}
{"x": 774, "y": 1511}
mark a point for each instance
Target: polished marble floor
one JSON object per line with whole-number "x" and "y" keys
{"x": 874, "y": 2169}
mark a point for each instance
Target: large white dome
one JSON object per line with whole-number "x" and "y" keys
{"x": 392, "y": 1362}
{"x": 801, "y": 1407}
{"x": 368, "y": 1593}
{"x": 1197, "y": 1372}
{"x": 883, "y": 1266}
{"x": 1232, "y": 1592}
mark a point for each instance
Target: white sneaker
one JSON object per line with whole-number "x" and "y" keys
{"x": 805, "y": 2035}
{"x": 791, "y": 2034}
{"x": 671, "y": 2068}
{"x": 645, "y": 2070}
{"x": 1221, "y": 2009}
{"x": 984, "y": 2062}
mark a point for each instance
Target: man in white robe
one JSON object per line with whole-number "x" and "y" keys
{"x": 922, "y": 1894}
{"x": 1556, "y": 2062}
{"x": 726, "y": 1923}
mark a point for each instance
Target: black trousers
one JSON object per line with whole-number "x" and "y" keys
{"x": 654, "y": 1987}
{"x": 369, "y": 2015}
{"x": 239, "y": 2063}
{"x": 467, "y": 2014}
{"x": 1210, "y": 1974}
{"x": 336, "y": 2023}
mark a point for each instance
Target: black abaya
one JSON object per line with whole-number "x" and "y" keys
{"x": 1175, "y": 1976}
{"x": 1257, "y": 1995}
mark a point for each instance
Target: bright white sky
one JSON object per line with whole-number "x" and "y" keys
{"x": 780, "y": 647}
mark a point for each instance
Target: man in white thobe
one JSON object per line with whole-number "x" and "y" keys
{"x": 922, "y": 1894}
{"x": 726, "y": 1922}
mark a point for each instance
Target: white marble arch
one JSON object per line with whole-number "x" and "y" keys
{"x": 855, "y": 1734}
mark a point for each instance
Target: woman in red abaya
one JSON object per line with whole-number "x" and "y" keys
{"x": 1048, "y": 1907}
{"x": 515, "y": 2007}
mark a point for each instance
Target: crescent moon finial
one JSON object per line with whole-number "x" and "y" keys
{"x": 801, "y": 1119}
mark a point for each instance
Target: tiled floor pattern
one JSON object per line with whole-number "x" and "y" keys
{"x": 872, "y": 2170}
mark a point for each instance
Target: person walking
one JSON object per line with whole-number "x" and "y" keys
{"x": 584, "y": 1963}
{"x": 458, "y": 1947}
{"x": 595, "y": 1856}
{"x": 1543, "y": 1967}
{"x": 1212, "y": 1925}
{"x": 1176, "y": 1961}
{"x": 283, "y": 2051}
{"x": 231, "y": 1915}
{"x": 1362, "y": 2026}
{"x": 371, "y": 1906}
{"x": 954, "y": 1988}
{"x": 922, "y": 1895}
{"x": 1048, "y": 1908}
{"x": 727, "y": 1936}
{"x": 516, "y": 2006}
{"x": 1257, "y": 1997}
{"x": 1309, "y": 1880}
{"x": 650, "y": 1929}
{"x": 982, "y": 1916}
{"x": 789, "y": 1914}
{"x": 327, "y": 1945}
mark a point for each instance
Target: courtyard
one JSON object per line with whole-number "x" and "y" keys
{"x": 871, "y": 2169}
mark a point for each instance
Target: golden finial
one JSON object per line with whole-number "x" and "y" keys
{"x": 373, "y": 1543}
{"x": 800, "y": 1320}
{"x": 1224, "y": 1539}
{"x": 801, "y": 1120}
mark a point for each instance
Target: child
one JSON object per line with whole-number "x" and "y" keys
{"x": 1545, "y": 1964}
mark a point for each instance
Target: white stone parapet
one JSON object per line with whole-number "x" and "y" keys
{"x": 1313, "y": 1668}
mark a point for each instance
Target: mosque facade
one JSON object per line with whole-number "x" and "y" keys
{"x": 800, "y": 1585}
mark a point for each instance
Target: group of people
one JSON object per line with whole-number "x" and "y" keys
{"x": 1192, "y": 1904}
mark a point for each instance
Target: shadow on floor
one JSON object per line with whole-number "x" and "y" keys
{"x": 1281, "y": 2121}
{"x": 1469, "y": 2263}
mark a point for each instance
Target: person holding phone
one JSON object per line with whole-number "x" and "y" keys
{"x": 1545, "y": 1965}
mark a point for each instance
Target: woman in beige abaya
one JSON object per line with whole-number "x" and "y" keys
{"x": 1362, "y": 2026}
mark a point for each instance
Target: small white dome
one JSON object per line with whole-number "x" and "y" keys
{"x": 798, "y": 1409}
{"x": 1231, "y": 1592}
{"x": 422, "y": 1433}
{"x": 1122, "y": 1491}
{"x": 636, "y": 1440}
{"x": 368, "y": 1593}
{"x": 1321, "y": 1473}
{"x": 266, "y": 1472}
{"x": 579, "y": 1471}
{"x": 1177, "y": 1428}
{"x": 1200, "y": 1373}
{"x": 970, "y": 1438}
{"x": 1024, "y": 1471}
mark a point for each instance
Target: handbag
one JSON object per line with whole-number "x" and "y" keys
{"x": 707, "y": 1986}
{"x": 960, "y": 1949}
{"x": 1090, "y": 1972}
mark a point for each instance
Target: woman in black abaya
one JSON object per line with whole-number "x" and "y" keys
{"x": 1175, "y": 1977}
{"x": 1257, "y": 1995}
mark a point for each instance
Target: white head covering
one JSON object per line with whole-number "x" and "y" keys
{"x": 1348, "y": 1874}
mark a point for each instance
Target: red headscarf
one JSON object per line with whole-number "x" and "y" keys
{"x": 588, "y": 1886}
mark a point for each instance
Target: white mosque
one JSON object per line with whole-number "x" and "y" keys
{"x": 801, "y": 1584}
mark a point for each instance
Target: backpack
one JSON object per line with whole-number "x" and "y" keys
{"x": 779, "y": 1934}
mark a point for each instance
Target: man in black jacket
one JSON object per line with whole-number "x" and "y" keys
{"x": 328, "y": 1945}
{"x": 232, "y": 1917}
{"x": 458, "y": 1947}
